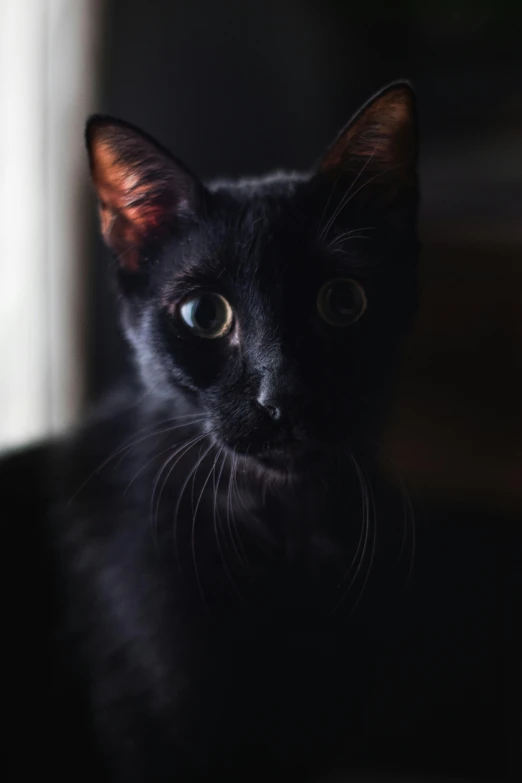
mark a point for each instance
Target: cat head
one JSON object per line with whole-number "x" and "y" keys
{"x": 274, "y": 305}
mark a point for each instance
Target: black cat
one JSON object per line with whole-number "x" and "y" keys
{"x": 204, "y": 584}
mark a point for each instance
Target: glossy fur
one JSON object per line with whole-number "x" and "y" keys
{"x": 211, "y": 592}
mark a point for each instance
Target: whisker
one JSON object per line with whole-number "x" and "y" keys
{"x": 122, "y": 255}
{"x": 155, "y": 508}
{"x": 182, "y": 492}
{"x": 129, "y": 447}
{"x": 184, "y": 449}
{"x": 355, "y": 559}
{"x": 235, "y": 464}
{"x": 241, "y": 503}
{"x": 230, "y": 518}
{"x": 153, "y": 434}
{"x": 238, "y": 493}
{"x": 194, "y": 516}
{"x": 346, "y": 198}
{"x": 151, "y": 513}
{"x": 374, "y": 541}
{"x": 368, "y": 181}
{"x": 327, "y": 204}
{"x": 358, "y": 559}
{"x": 153, "y": 459}
{"x": 350, "y": 235}
{"x": 216, "y": 519}
{"x": 409, "y": 517}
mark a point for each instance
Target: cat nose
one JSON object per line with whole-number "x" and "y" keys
{"x": 271, "y": 406}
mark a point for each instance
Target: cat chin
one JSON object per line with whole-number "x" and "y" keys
{"x": 278, "y": 474}
{"x": 291, "y": 467}
{"x": 280, "y": 466}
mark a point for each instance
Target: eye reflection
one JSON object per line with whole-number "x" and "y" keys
{"x": 208, "y": 315}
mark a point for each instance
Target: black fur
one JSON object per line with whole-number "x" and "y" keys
{"x": 212, "y": 592}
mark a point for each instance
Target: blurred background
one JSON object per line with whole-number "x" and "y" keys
{"x": 235, "y": 87}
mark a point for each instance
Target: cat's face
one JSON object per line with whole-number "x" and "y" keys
{"x": 276, "y": 305}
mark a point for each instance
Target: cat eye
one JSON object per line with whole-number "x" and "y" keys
{"x": 341, "y": 302}
{"x": 208, "y": 315}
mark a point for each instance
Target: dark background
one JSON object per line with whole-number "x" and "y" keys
{"x": 236, "y": 87}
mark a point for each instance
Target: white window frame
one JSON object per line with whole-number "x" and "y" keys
{"x": 49, "y": 52}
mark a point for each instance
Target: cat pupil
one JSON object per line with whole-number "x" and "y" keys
{"x": 205, "y": 313}
{"x": 342, "y": 301}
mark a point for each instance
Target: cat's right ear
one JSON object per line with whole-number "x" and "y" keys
{"x": 374, "y": 158}
{"x": 143, "y": 192}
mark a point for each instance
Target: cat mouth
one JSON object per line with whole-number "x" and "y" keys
{"x": 286, "y": 452}
{"x": 290, "y": 455}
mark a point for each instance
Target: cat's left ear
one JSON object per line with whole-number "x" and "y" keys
{"x": 375, "y": 156}
{"x": 142, "y": 190}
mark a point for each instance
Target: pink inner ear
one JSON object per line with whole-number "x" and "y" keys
{"x": 128, "y": 211}
{"x": 383, "y": 134}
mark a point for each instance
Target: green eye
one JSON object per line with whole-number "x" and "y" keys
{"x": 341, "y": 302}
{"x": 208, "y": 315}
